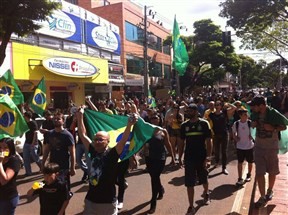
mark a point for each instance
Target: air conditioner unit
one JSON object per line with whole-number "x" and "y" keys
{"x": 152, "y": 39}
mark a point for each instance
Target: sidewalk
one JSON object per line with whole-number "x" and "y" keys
{"x": 279, "y": 204}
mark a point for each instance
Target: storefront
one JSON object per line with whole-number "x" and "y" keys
{"x": 65, "y": 74}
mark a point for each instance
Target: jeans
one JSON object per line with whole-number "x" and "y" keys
{"x": 220, "y": 142}
{"x": 7, "y": 207}
{"x": 30, "y": 151}
{"x": 155, "y": 168}
{"x": 80, "y": 150}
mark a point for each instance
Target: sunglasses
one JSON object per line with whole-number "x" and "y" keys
{"x": 99, "y": 139}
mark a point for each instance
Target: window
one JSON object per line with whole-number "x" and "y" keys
{"x": 73, "y": 1}
{"x": 135, "y": 65}
{"x": 134, "y": 33}
{"x": 167, "y": 72}
{"x": 155, "y": 69}
{"x": 156, "y": 44}
{"x": 167, "y": 50}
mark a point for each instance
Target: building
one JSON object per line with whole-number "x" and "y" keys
{"x": 129, "y": 17}
{"x": 64, "y": 51}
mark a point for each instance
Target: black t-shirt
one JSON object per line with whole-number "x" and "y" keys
{"x": 219, "y": 122}
{"x": 9, "y": 190}
{"x": 156, "y": 148}
{"x": 195, "y": 134}
{"x": 59, "y": 143}
{"x": 104, "y": 171}
{"x": 30, "y": 134}
{"x": 52, "y": 197}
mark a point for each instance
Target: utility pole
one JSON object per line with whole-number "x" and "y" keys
{"x": 145, "y": 47}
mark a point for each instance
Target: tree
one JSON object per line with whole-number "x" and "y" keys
{"x": 209, "y": 59}
{"x": 16, "y": 16}
{"x": 262, "y": 24}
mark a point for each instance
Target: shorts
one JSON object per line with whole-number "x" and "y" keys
{"x": 195, "y": 171}
{"x": 245, "y": 154}
{"x": 175, "y": 133}
{"x": 266, "y": 160}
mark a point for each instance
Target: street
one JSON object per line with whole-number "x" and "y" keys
{"x": 226, "y": 197}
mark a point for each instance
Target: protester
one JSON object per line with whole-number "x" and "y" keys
{"x": 61, "y": 148}
{"x": 268, "y": 122}
{"x": 30, "y": 149}
{"x": 219, "y": 120}
{"x": 9, "y": 168}
{"x": 155, "y": 157}
{"x": 244, "y": 144}
{"x": 196, "y": 137}
{"x": 100, "y": 198}
{"x": 53, "y": 192}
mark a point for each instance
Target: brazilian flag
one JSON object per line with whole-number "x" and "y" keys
{"x": 115, "y": 126}
{"x": 9, "y": 86}
{"x": 151, "y": 100}
{"x": 38, "y": 102}
{"x": 12, "y": 122}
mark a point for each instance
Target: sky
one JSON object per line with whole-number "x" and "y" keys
{"x": 189, "y": 11}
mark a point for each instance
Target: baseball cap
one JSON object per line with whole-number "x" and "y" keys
{"x": 241, "y": 111}
{"x": 193, "y": 106}
{"x": 257, "y": 100}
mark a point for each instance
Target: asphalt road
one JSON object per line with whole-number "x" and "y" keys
{"x": 226, "y": 197}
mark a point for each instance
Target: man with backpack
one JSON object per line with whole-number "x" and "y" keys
{"x": 244, "y": 145}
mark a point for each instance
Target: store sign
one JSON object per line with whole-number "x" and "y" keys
{"x": 134, "y": 82}
{"x": 117, "y": 79}
{"x": 70, "y": 67}
{"x": 104, "y": 38}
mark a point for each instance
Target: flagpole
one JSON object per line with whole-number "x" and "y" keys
{"x": 145, "y": 44}
{"x": 177, "y": 84}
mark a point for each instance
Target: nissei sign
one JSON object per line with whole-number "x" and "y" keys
{"x": 70, "y": 67}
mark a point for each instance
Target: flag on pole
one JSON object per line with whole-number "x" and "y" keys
{"x": 115, "y": 126}
{"x": 12, "y": 122}
{"x": 180, "y": 55}
{"x": 151, "y": 100}
{"x": 9, "y": 86}
{"x": 38, "y": 102}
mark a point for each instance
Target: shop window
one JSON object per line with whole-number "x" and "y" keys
{"x": 135, "y": 65}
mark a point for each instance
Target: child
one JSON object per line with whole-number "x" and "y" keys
{"x": 53, "y": 193}
{"x": 244, "y": 144}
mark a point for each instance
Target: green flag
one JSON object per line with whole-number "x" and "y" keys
{"x": 115, "y": 126}
{"x": 9, "y": 86}
{"x": 38, "y": 102}
{"x": 12, "y": 122}
{"x": 180, "y": 55}
{"x": 151, "y": 100}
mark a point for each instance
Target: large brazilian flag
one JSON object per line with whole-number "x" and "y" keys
{"x": 9, "y": 86}
{"x": 115, "y": 126}
{"x": 12, "y": 122}
{"x": 38, "y": 102}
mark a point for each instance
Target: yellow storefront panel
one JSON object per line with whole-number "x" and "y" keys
{"x": 28, "y": 65}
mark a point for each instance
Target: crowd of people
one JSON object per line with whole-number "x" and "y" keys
{"x": 199, "y": 127}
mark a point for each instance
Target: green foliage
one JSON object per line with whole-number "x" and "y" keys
{"x": 16, "y": 16}
{"x": 262, "y": 24}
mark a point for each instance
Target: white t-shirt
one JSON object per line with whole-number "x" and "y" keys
{"x": 244, "y": 134}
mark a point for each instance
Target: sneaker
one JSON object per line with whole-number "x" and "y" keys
{"x": 269, "y": 195}
{"x": 240, "y": 182}
{"x": 120, "y": 205}
{"x": 125, "y": 185}
{"x": 248, "y": 177}
{"x": 206, "y": 199}
{"x": 191, "y": 211}
{"x": 85, "y": 178}
{"x": 261, "y": 202}
{"x": 225, "y": 171}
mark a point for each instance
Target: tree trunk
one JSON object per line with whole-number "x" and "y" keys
{"x": 3, "y": 46}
